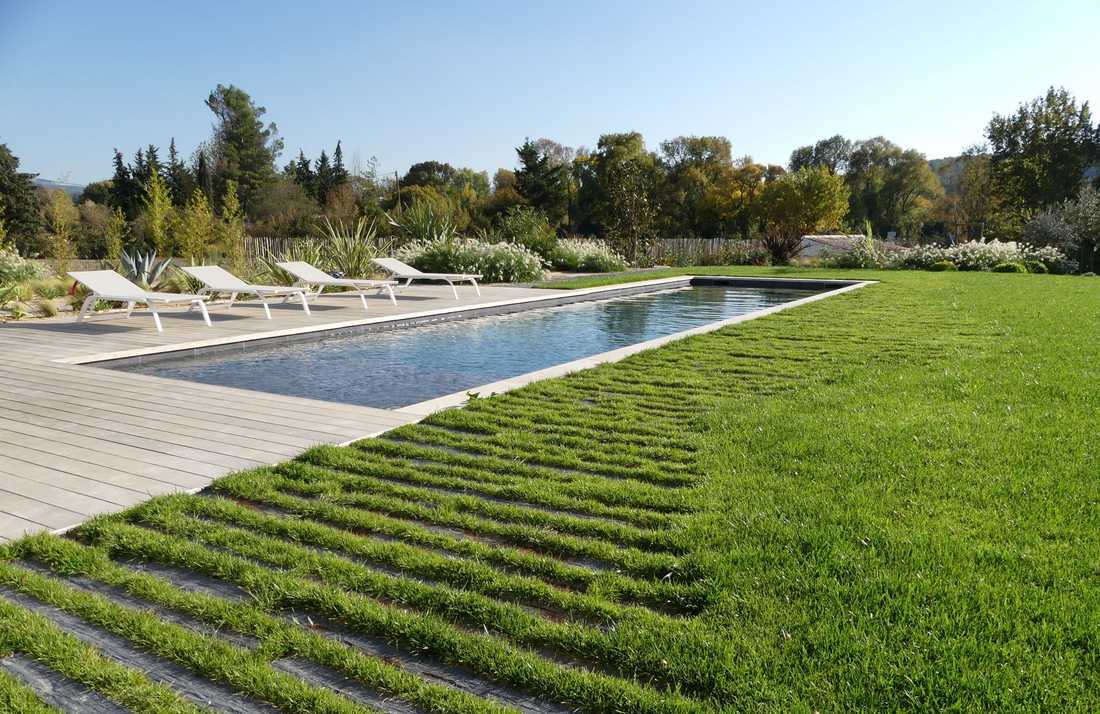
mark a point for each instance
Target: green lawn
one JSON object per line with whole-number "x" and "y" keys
{"x": 884, "y": 500}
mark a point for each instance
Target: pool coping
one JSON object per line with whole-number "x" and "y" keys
{"x": 457, "y": 399}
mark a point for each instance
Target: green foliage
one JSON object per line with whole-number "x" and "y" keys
{"x": 832, "y": 154}
{"x": 1010, "y": 267}
{"x": 528, "y": 227}
{"x": 866, "y": 253}
{"x": 495, "y": 262}
{"x": 544, "y": 181}
{"x": 893, "y": 188}
{"x": 233, "y": 237}
{"x": 422, "y": 221}
{"x": 805, "y": 202}
{"x": 116, "y": 235}
{"x": 586, "y": 256}
{"x": 243, "y": 149}
{"x": 195, "y": 230}
{"x": 62, "y": 219}
{"x": 19, "y": 205}
{"x": 14, "y": 269}
{"x": 943, "y": 266}
{"x": 350, "y": 250}
{"x": 1040, "y": 153}
{"x": 158, "y": 216}
{"x": 1036, "y": 266}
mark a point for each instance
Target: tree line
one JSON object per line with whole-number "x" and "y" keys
{"x": 621, "y": 190}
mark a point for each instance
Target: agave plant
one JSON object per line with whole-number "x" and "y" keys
{"x": 349, "y": 251}
{"x": 142, "y": 268}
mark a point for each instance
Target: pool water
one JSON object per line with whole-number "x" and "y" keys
{"x": 404, "y": 366}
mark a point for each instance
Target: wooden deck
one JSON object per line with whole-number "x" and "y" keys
{"x": 77, "y": 440}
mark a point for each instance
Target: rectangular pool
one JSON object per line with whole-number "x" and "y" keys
{"x": 399, "y": 367}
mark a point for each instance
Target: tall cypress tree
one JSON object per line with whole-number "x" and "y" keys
{"x": 323, "y": 181}
{"x": 339, "y": 173}
{"x": 125, "y": 194}
{"x": 204, "y": 177}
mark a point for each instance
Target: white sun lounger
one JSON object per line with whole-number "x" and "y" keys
{"x": 109, "y": 285}
{"x": 219, "y": 280}
{"x": 404, "y": 271}
{"x": 311, "y": 277}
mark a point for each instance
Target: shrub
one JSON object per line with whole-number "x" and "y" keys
{"x": 528, "y": 227}
{"x": 1010, "y": 267}
{"x": 976, "y": 255}
{"x": 864, "y": 254}
{"x": 14, "y": 269}
{"x": 423, "y": 221}
{"x": 1036, "y": 266}
{"x": 941, "y": 266}
{"x": 496, "y": 262}
{"x": 583, "y": 255}
{"x": 738, "y": 252}
{"x": 349, "y": 251}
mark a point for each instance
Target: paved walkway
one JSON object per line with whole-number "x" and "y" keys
{"x": 77, "y": 440}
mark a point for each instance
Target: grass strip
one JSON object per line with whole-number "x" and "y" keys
{"x": 414, "y": 561}
{"x": 643, "y": 506}
{"x": 279, "y": 638}
{"x": 36, "y": 637}
{"x": 257, "y": 487}
{"x": 489, "y": 656}
{"x": 16, "y": 696}
{"x": 345, "y": 473}
{"x": 639, "y": 563}
{"x": 207, "y": 656}
{"x": 606, "y": 647}
{"x": 503, "y": 464}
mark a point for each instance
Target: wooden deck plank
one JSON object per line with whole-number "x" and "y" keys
{"x": 78, "y": 440}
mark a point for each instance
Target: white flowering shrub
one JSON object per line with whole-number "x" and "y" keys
{"x": 865, "y": 253}
{"x": 495, "y": 262}
{"x": 975, "y": 255}
{"x": 584, "y": 255}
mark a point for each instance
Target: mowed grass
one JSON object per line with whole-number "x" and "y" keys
{"x": 884, "y": 500}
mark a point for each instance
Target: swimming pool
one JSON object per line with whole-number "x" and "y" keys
{"x": 404, "y": 366}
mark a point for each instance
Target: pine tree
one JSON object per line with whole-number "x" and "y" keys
{"x": 204, "y": 178}
{"x": 339, "y": 173}
{"x": 181, "y": 184}
{"x": 19, "y": 203}
{"x": 302, "y": 171}
{"x": 543, "y": 182}
{"x": 152, "y": 161}
{"x": 323, "y": 180}
{"x": 243, "y": 148}
{"x": 125, "y": 190}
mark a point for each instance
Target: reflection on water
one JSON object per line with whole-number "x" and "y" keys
{"x": 401, "y": 367}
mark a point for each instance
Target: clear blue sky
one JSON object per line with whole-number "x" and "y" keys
{"x": 466, "y": 82}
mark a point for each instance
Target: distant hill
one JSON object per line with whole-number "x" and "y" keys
{"x": 73, "y": 189}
